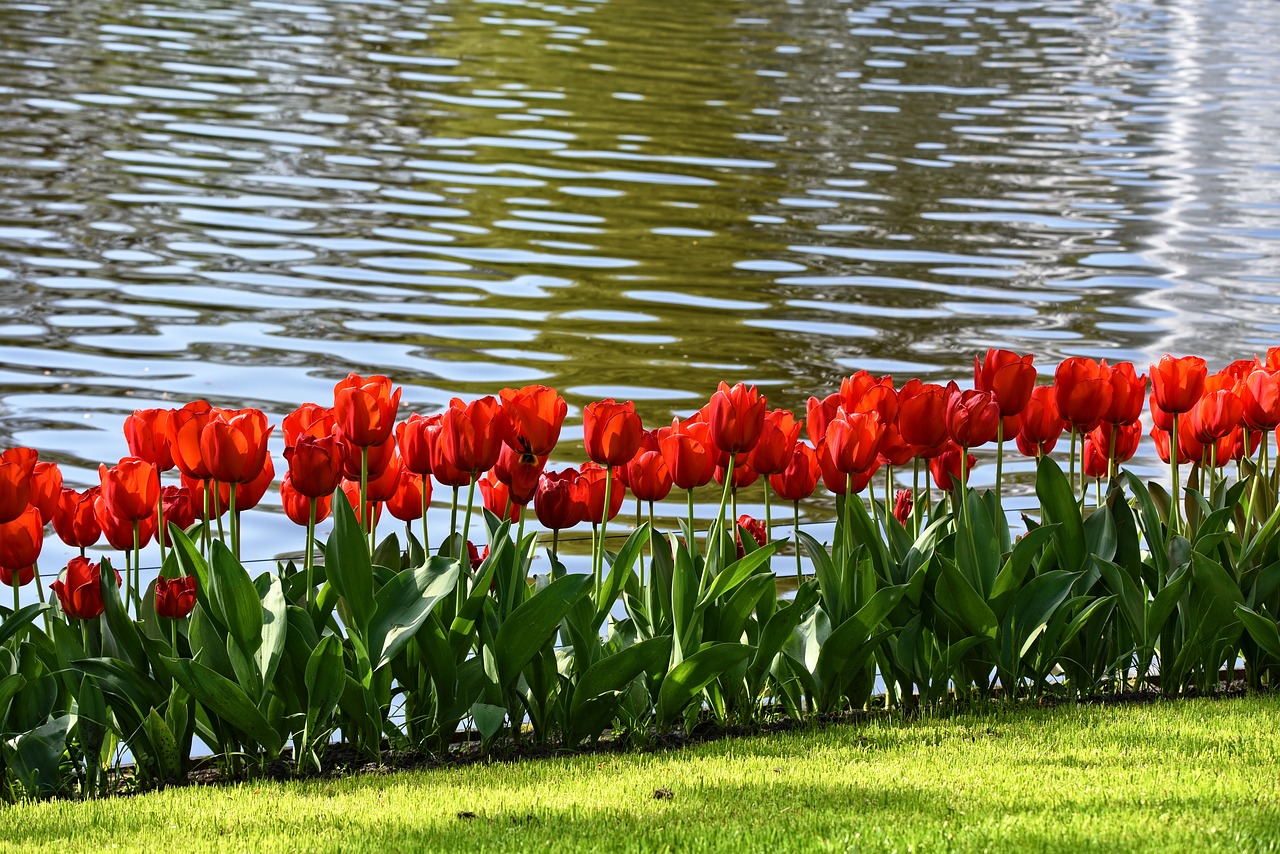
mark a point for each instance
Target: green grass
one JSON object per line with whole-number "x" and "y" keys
{"x": 1187, "y": 775}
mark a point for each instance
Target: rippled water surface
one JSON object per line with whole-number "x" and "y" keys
{"x": 244, "y": 201}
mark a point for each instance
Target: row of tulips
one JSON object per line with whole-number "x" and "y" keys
{"x": 385, "y": 643}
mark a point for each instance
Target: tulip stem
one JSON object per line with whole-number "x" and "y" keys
{"x": 875, "y": 508}
{"x": 426, "y": 545}
{"x": 453, "y": 518}
{"x": 1175, "y": 518}
{"x": 962, "y": 491}
{"x": 173, "y": 636}
{"x": 160, "y": 515}
{"x": 733, "y": 503}
{"x": 204, "y": 516}
{"x": 310, "y": 559}
{"x": 217, "y": 497}
{"x": 795, "y": 509}
{"x": 717, "y": 524}
{"x": 137, "y": 568}
{"x": 888, "y": 496}
{"x": 598, "y": 557}
{"x": 234, "y": 521}
{"x": 1000, "y": 460}
{"x": 652, "y": 527}
{"x": 1071, "y": 472}
{"x": 555, "y": 546}
{"x": 466, "y": 522}
{"x": 768, "y": 519}
{"x": 366, "y": 518}
{"x": 17, "y": 601}
{"x": 694, "y": 545}
{"x": 915, "y": 495}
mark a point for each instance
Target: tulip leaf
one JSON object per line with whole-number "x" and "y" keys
{"x": 402, "y": 605}
{"x": 347, "y": 564}
{"x": 957, "y": 598}
{"x": 598, "y": 692}
{"x": 489, "y": 719}
{"x": 163, "y": 745}
{"x": 1058, "y": 504}
{"x": 735, "y": 573}
{"x": 326, "y": 679}
{"x": 15, "y": 622}
{"x": 1264, "y": 631}
{"x": 687, "y": 679}
{"x": 10, "y": 685}
{"x": 34, "y": 756}
{"x": 845, "y": 649}
{"x": 619, "y": 568}
{"x": 534, "y": 623}
{"x": 124, "y": 681}
{"x": 275, "y": 626}
{"x": 1035, "y": 605}
{"x": 235, "y": 598}
{"x": 224, "y": 699}
{"x": 1162, "y": 605}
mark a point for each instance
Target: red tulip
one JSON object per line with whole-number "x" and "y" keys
{"x": 611, "y": 431}
{"x": 1215, "y": 415}
{"x": 205, "y": 499}
{"x": 249, "y": 494}
{"x": 534, "y": 416}
{"x": 1161, "y": 439}
{"x": 818, "y": 414}
{"x": 185, "y": 428}
{"x": 1041, "y": 424}
{"x": 315, "y": 464}
{"x": 894, "y": 450}
{"x": 1083, "y": 390}
{"x": 743, "y": 475}
{"x": 17, "y": 577}
{"x": 309, "y": 419}
{"x": 79, "y": 590}
{"x": 471, "y": 434}
{"x": 476, "y": 558}
{"x": 690, "y": 457}
{"x": 853, "y": 440}
{"x": 778, "y": 437}
{"x": 1260, "y": 399}
{"x": 16, "y": 466}
{"x": 558, "y": 500}
{"x": 148, "y": 435}
{"x": 497, "y": 498}
{"x": 21, "y": 540}
{"x": 46, "y": 487}
{"x": 298, "y": 506}
{"x": 75, "y": 519}
{"x": 175, "y": 597}
{"x": 130, "y": 489}
{"x": 445, "y": 472}
{"x": 407, "y": 503}
{"x": 1094, "y": 459}
{"x": 233, "y": 445}
{"x": 1008, "y": 377}
{"x": 903, "y": 500}
{"x": 922, "y": 416}
{"x": 854, "y": 388}
{"x": 648, "y": 476}
{"x": 381, "y": 488}
{"x": 351, "y": 489}
{"x": 1123, "y": 446}
{"x": 374, "y": 458}
{"x": 973, "y": 417}
{"x": 413, "y": 438}
{"x": 1178, "y": 383}
{"x": 365, "y": 409}
{"x": 519, "y": 472}
{"x": 946, "y": 466}
{"x": 736, "y": 416}
{"x": 1128, "y": 393}
{"x": 119, "y": 532}
{"x": 178, "y": 510}
{"x": 755, "y": 530}
{"x": 591, "y": 480}
{"x": 837, "y": 480}
{"x": 798, "y": 480}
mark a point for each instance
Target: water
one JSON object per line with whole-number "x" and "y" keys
{"x": 245, "y": 201}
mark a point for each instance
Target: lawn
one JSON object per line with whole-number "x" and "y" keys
{"x": 1184, "y": 775}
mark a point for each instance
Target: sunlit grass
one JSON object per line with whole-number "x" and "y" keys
{"x": 1185, "y": 775}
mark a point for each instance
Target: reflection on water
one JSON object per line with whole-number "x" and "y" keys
{"x": 245, "y": 201}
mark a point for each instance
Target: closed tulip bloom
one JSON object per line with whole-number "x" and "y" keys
{"x": 75, "y": 519}
{"x": 558, "y": 501}
{"x": 743, "y": 475}
{"x": 1123, "y": 446}
{"x": 185, "y": 428}
{"x": 206, "y": 498}
{"x": 406, "y": 503}
{"x": 16, "y": 466}
{"x": 374, "y": 458}
{"x": 46, "y": 487}
{"x": 946, "y": 466}
{"x": 249, "y": 494}
{"x": 648, "y": 442}
{"x": 611, "y": 431}
{"x": 690, "y": 457}
{"x": 471, "y": 434}
{"x": 382, "y": 487}
{"x": 365, "y": 409}
{"x": 778, "y": 437}
{"x": 309, "y": 419}
{"x": 233, "y": 445}
{"x": 736, "y": 416}
{"x": 1008, "y": 377}
{"x": 1041, "y": 425}
{"x": 1083, "y": 389}
{"x": 79, "y": 590}
{"x": 973, "y": 417}
{"x": 1128, "y": 393}
{"x": 130, "y": 488}
{"x": 1094, "y": 459}
{"x": 853, "y": 441}
{"x": 879, "y": 399}
{"x": 753, "y": 528}
{"x": 591, "y": 480}
{"x": 315, "y": 465}
{"x": 818, "y": 414}
{"x": 1260, "y": 399}
{"x": 894, "y": 450}
{"x": 534, "y": 416}
{"x": 1178, "y": 383}
{"x": 175, "y": 597}
{"x": 297, "y": 507}
{"x": 119, "y": 532}
{"x": 1215, "y": 415}
{"x": 798, "y": 480}
{"x": 413, "y": 438}
{"x": 519, "y": 472}
{"x": 1161, "y": 440}
{"x": 17, "y": 577}
{"x": 351, "y": 489}
{"x": 148, "y": 435}
{"x": 443, "y": 470}
{"x": 648, "y": 476}
{"x": 836, "y": 479}
{"x": 922, "y": 416}
{"x": 903, "y": 501}
{"x": 497, "y": 498}
{"x": 179, "y": 511}
{"x": 21, "y": 540}
{"x": 856, "y": 386}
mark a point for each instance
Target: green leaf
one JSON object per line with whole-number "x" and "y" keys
{"x": 163, "y": 745}
{"x": 1162, "y": 606}
{"x": 957, "y": 598}
{"x": 275, "y": 626}
{"x": 10, "y": 685}
{"x": 596, "y": 696}
{"x": 1261, "y": 628}
{"x": 618, "y": 571}
{"x": 15, "y": 622}
{"x": 1036, "y": 603}
{"x": 225, "y": 699}
{"x": 326, "y": 679}
{"x": 402, "y": 605}
{"x": 737, "y": 572}
{"x": 235, "y": 599}
{"x": 1058, "y": 504}
{"x": 534, "y": 623}
{"x": 1025, "y": 550}
{"x": 124, "y": 681}
{"x": 347, "y": 564}
{"x": 687, "y": 679}
{"x": 34, "y": 756}
{"x": 778, "y": 629}
{"x": 846, "y": 648}
{"x": 489, "y": 719}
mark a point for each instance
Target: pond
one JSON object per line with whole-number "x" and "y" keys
{"x": 244, "y": 201}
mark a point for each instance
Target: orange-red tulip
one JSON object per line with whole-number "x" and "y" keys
{"x": 1008, "y": 377}
{"x": 16, "y": 466}
{"x": 611, "y": 431}
{"x": 1215, "y": 415}
{"x": 1041, "y": 424}
{"x": 46, "y": 487}
{"x": 797, "y": 481}
{"x": 1083, "y": 392}
{"x": 853, "y": 441}
{"x": 365, "y": 409}
{"x": 1260, "y": 398}
{"x": 147, "y": 432}
{"x": 736, "y": 416}
{"x": 75, "y": 518}
{"x": 1178, "y": 383}
{"x": 497, "y": 498}
{"x": 21, "y": 540}
{"x": 648, "y": 476}
{"x": 690, "y": 457}
{"x": 1128, "y": 393}
{"x": 233, "y": 444}
{"x": 973, "y": 417}
{"x": 130, "y": 488}
{"x": 413, "y": 438}
{"x": 185, "y": 428}
{"x": 178, "y": 510}
{"x": 79, "y": 590}
{"x": 406, "y": 505}
{"x": 559, "y": 501}
{"x": 946, "y": 466}
{"x": 309, "y": 419}
{"x": 818, "y": 414}
{"x": 471, "y": 434}
{"x": 922, "y": 416}
{"x": 519, "y": 472}
{"x": 534, "y": 416}
{"x": 175, "y": 597}
{"x": 778, "y": 437}
{"x": 315, "y": 464}
{"x": 119, "y": 532}
{"x": 298, "y": 506}
{"x": 591, "y": 480}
